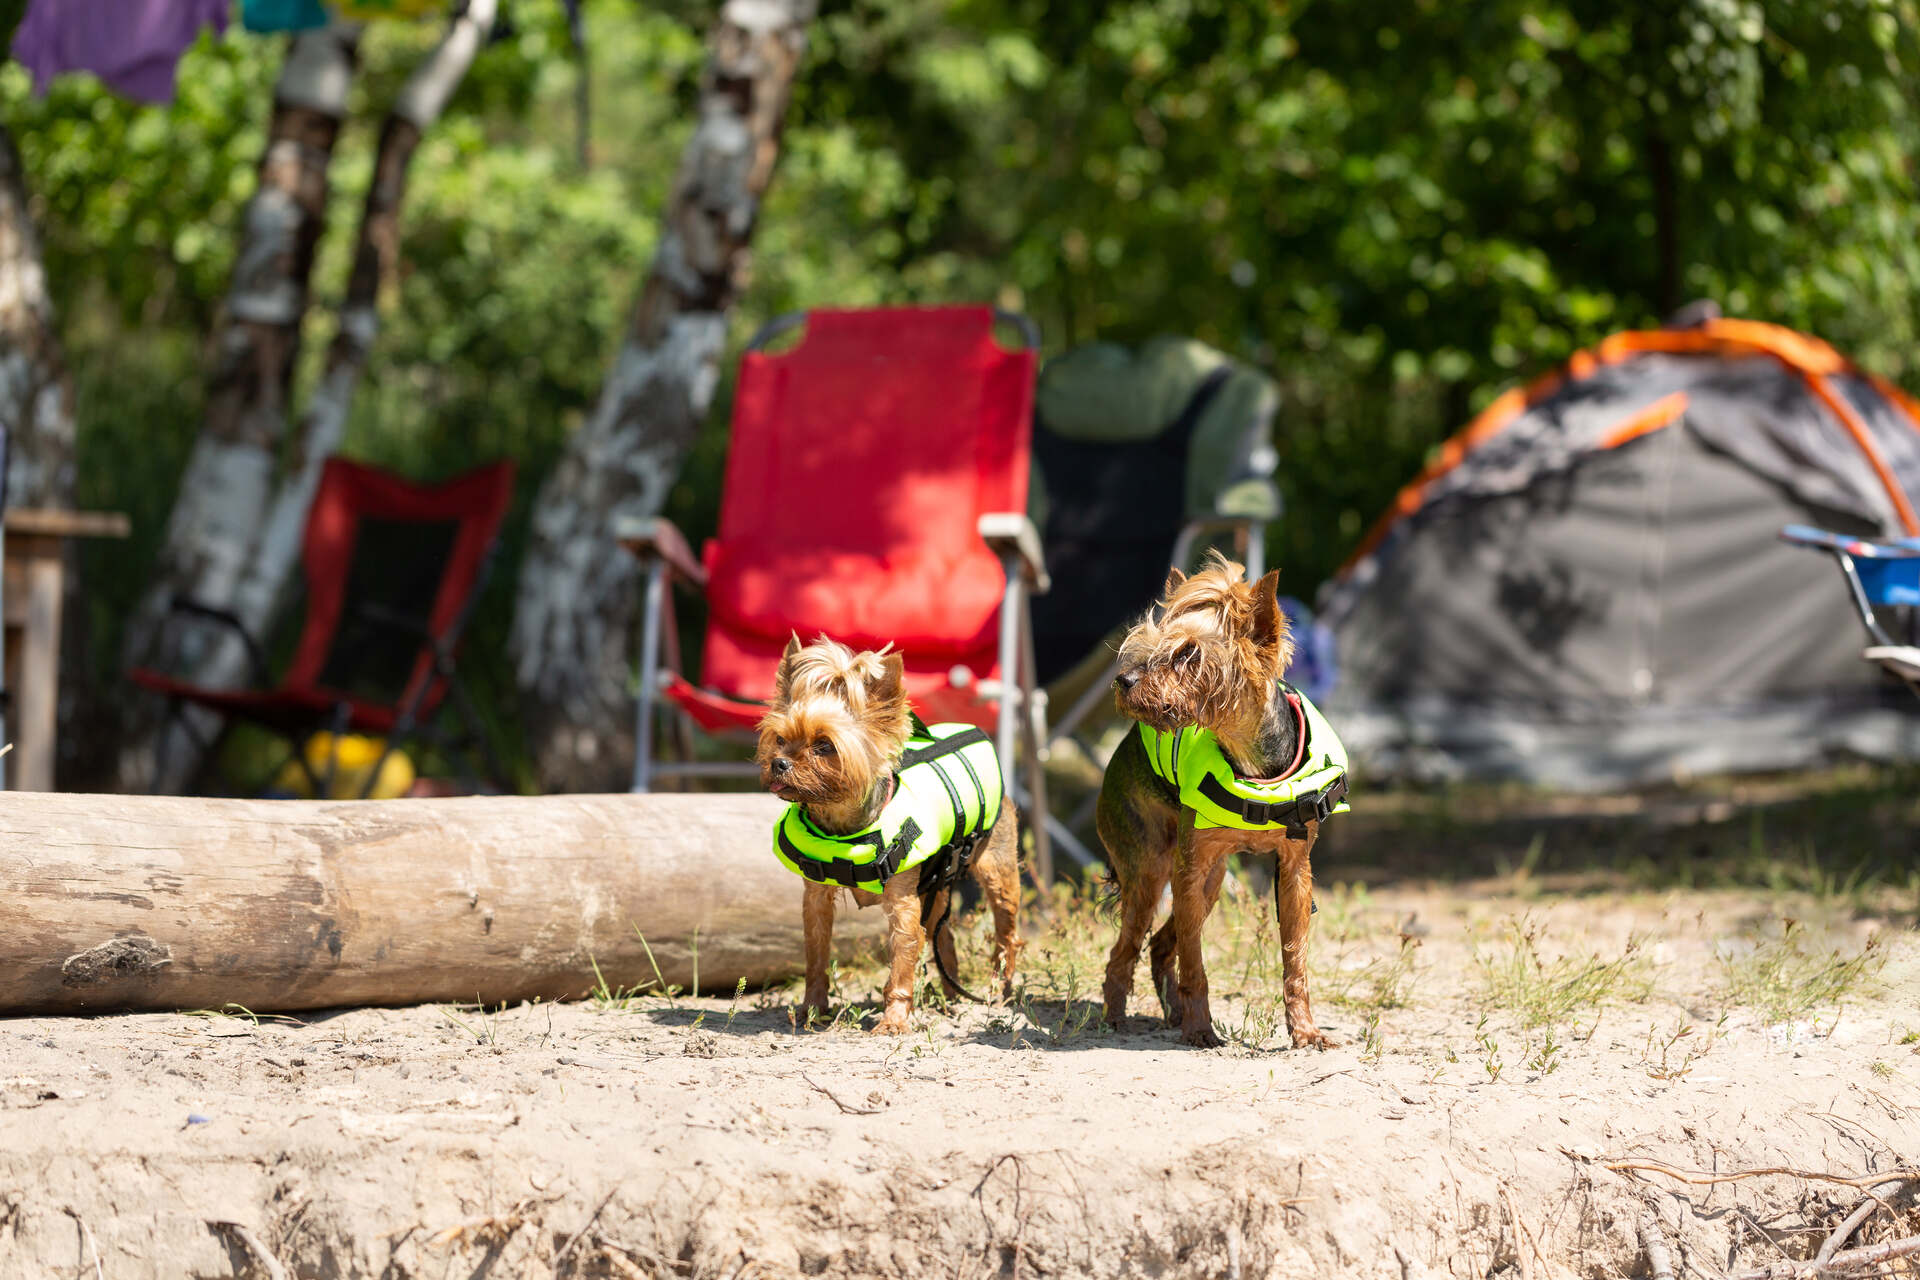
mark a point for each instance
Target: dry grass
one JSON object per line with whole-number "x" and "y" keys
{"x": 1542, "y": 990}
{"x": 1785, "y": 977}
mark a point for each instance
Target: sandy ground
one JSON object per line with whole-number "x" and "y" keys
{"x": 1490, "y": 1068}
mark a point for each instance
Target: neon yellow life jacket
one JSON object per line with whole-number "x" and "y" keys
{"x": 1191, "y": 759}
{"x": 946, "y": 798}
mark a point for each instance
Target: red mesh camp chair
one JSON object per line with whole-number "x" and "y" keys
{"x": 392, "y": 572}
{"x": 875, "y": 492}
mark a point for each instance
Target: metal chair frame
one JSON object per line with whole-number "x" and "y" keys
{"x": 1020, "y": 733}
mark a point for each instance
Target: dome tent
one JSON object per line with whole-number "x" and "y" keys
{"x": 1586, "y": 587}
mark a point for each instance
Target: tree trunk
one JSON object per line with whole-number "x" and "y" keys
{"x": 575, "y": 616}
{"x": 159, "y": 902}
{"x": 375, "y": 262}
{"x": 36, "y": 399}
{"x": 224, "y": 491}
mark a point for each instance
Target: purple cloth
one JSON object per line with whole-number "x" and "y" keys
{"x": 132, "y": 45}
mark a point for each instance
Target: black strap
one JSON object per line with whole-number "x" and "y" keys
{"x": 944, "y": 871}
{"x": 844, "y": 871}
{"x": 1295, "y": 813}
{"x": 943, "y": 747}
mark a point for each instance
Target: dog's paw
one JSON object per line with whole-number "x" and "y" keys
{"x": 1313, "y": 1038}
{"x": 890, "y": 1026}
{"x": 1201, "y": 1036}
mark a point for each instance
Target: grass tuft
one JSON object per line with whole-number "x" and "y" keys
{"x": 1784, "y": 978}
{"x": 1541, "y": 991}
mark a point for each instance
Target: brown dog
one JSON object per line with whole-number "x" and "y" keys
{"x": 1212, "y": 659}
{"x": 870, "y": 791}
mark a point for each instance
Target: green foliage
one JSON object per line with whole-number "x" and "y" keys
{"x": 1397, "y": 208}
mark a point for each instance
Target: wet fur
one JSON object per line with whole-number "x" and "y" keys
{"x": 1210, "y": 655}
{"x": 830, "y": 743}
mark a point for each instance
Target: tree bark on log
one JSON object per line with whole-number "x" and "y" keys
{"x": 159, "y": 902}
{"x": 36, "y": 397}
{"x": 577, "y": 607}
{"x": 224, "y": 491}
{"x": 375, "y": 265}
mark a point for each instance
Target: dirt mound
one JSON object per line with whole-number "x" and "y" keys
{"x": 1499, "y": 1052}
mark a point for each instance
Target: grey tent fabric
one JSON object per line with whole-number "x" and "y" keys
{"x": 1572, "y": 611}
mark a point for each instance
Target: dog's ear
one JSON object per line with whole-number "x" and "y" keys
{"x": 889, "y": 686}
{"x": 1175, "y": 576}
{"x": 783, "y": 675}
{"x": 1269, "y": 619}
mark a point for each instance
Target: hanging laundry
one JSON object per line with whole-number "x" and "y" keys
{"x": 132, "y": 45}
{"x": 282, "y": 15}
{"x": 370, "y": 9}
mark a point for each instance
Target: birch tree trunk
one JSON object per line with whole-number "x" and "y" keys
{"x": 375, "y": 262}
{"x": 575, "y": 617}
{"x": 224, "y": 491}
{"x": 36, "y": 399}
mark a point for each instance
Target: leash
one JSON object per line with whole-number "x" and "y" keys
{"x": 953, "y": 867}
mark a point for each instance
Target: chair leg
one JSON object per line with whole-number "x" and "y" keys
{"x": 1007, "y": 723}
{"x": 1033, "y": 702}
{"x": 651, "y": 610}
{"x": 470, "y": 715}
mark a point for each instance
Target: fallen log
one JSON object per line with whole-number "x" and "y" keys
{"x": 154, "y": 902}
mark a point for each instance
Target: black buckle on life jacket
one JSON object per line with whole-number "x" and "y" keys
{"x": 1295, "y": 813}
{"x": 845, "y": 871}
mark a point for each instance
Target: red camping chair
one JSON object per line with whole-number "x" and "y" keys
{"x": 875, "y": 492}
{"x": 392, "y": 572}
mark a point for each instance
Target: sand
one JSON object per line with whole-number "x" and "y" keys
{"x": 709, "y": 1138}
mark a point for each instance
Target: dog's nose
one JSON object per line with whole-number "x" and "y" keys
{"x": 781, "y": 765}
{"x": 1127, "y": 679}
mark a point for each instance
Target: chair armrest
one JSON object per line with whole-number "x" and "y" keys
{"x": 1012, "y": 537}
{"x": 655, "y": 537}
{"x": 228, "y": 619}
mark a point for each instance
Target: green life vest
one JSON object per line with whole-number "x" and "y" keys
{"x": 1191, "y": 759}
{"x": 946, "y": 796}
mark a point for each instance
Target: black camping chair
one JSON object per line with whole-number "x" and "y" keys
{"x": 1119, "y": 516}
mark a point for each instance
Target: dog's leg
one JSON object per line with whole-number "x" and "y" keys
{"x": 1199, "y": 869}
{"x": 905, "y": 940}
{"x": 997, "y": 872}
{"x": 1293, "y": 896}
{"x": 1139, "y": 899}
{"x": 816, "y": 927}
{"x": 1160, "y": 953}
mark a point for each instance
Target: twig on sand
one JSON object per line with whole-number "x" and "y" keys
{"x": 1869, "y": 1201}
{"x": 1839, "y": 1263}
{"x": 261, "y": 1254}
{"x": 1708, "y": 1179}
{"x": 1653, "y": 1241}
{"x": 86, "y": 1233}
{"x": 574, "y": 1240}
{"x": 845, "y": 1108}
{"x": 1522, "y": 1237}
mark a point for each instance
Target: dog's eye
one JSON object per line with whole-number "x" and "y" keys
{"x": 823, "y": 748}
{"x": 779, "y": 742}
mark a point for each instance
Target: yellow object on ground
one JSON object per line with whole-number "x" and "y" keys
{"x": 353, "y": 756}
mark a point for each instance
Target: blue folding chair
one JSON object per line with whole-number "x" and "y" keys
{"x": 1877, "y": 573}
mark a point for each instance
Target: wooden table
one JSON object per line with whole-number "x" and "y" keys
{"x": 33, "y": 588}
